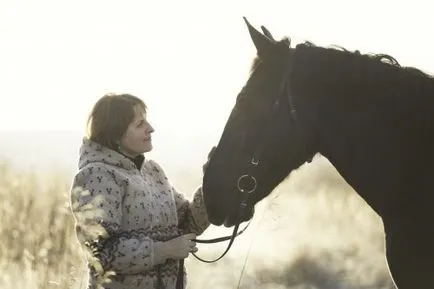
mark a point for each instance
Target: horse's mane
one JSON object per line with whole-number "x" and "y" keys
{"x": 380, "y": 57}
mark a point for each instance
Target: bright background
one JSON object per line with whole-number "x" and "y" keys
{"x": 186, "y": 59}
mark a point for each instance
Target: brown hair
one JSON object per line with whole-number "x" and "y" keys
{"x": 110, "y": 117}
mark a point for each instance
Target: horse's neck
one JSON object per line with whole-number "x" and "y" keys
{"x": 381, "y": 139}
{"x": 374, "y": 158}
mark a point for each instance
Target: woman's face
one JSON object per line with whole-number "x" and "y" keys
{"x": 137, "y": 139}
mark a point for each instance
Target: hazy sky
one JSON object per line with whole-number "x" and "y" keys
{"x": 186, "y": 59}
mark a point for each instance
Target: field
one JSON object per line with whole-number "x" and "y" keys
{"x": 313, "y": 232}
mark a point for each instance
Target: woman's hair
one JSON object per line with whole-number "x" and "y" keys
{"x": 110, "y": 117}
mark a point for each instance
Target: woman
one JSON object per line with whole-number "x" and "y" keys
{"x": 149, "y": 226}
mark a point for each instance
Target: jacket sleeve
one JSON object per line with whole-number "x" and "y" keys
{"x": 192, "y": 215}
{"x": 97, "y": 201}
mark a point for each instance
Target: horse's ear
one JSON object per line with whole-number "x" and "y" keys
{"x": 263, "y": 44}
{"x": 267, "y": 33}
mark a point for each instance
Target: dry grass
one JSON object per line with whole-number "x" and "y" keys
{"x": 38, "y": 248}
{"x": 313, "y": 232}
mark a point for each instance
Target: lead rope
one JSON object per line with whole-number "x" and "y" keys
{"x": 245, "y": 262}
{"x": 251, "y": 242}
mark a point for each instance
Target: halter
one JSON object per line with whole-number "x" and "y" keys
{"x": 254, "y": 163}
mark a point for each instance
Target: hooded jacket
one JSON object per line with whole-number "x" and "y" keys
{"x": 137, "y": 206}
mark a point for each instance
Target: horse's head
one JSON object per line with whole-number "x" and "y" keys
{"x": 261, "y": 142}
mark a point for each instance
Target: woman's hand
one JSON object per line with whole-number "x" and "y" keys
{"x": 177, "y": 248}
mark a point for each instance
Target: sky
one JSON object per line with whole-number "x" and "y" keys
{"x": 186, "y": 59}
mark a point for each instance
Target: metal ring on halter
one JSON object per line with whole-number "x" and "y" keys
{"x": 255, "y": 184}
{"x": 254, "y": 161}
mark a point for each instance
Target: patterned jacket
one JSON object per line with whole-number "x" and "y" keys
{"x": 136, "y": 208}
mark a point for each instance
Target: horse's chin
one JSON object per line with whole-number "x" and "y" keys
{"x": 232, "y": 221}
{"x": 216, "y": 221}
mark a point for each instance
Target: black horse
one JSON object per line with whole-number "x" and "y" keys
{"x": 370, "y": 117}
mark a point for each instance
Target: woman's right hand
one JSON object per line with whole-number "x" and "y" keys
{"x": 179, "y": 247}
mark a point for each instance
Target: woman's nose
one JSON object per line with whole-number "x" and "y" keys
{"x": 150, "y": 129}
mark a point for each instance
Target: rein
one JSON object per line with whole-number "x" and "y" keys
{"x": 243, "y": 205}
